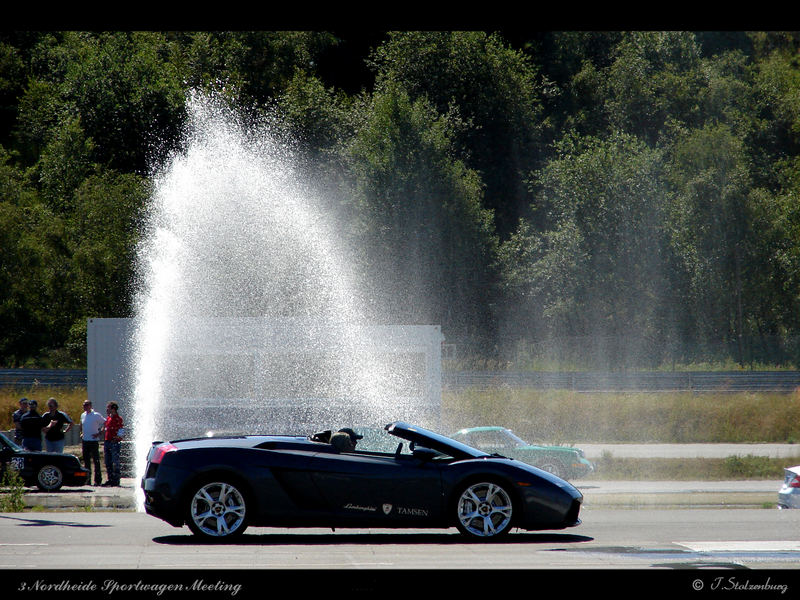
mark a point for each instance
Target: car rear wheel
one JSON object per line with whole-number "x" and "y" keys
{"x": 49, "y": 478}
{"x": 484, "y": 511}
{"x": 217, "y": 511}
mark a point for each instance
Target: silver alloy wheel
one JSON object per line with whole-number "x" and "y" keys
{"x": 218, "y": 509}
{"x": 49, "y": 478}
{"x": 484, "y": 510}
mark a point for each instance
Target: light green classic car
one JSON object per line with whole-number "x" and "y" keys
{"x": 562, "y": 461}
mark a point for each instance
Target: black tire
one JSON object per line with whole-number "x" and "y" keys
{"x": 484, "y": 510}
{"x": 217, "y": 510}
{"x": 49, "y": 478}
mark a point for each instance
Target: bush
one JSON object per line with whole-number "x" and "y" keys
{"x": 751, "y": 467}
{"x": 11, "y": 492}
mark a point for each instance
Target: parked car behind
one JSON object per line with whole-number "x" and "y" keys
{"x": 789, "y": 494}
{"x": 562, "y": 461}
{"x": 46, "y": 470}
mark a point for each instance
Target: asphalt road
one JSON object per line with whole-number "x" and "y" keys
{"x": 607, "y": 538}
{"x": 698, "y": 530}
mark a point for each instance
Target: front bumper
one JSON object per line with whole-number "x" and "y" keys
{"x": 583, "y": 468}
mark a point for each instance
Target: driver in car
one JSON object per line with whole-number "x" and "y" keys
{"x": 345, "y": 440}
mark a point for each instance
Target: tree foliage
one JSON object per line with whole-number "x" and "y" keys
{"x": 608, "y": 199}
{"x": 421, "y": 214}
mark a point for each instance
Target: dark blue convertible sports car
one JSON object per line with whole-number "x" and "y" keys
{"x": 219, "y": 486}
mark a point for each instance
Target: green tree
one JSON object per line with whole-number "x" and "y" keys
{"x": 318, "y": 118}
{"x": 254, "y": 66}
{"x": 655, "y": 78}
{"x": 33, "y": 270}
{"x": 496, "y": 92}
{"x": 596, "y": 271}
{"x": 429, "y": 245}
{"x": 101, "y": 239}
{"x": 12, "y": 70}
{"x": 122, "y": 86}
{"x": 711, "y": 224}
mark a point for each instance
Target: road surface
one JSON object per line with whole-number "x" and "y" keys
{"x": 607, "y": 538}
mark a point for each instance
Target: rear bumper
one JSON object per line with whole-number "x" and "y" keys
{"x": 77, "y": 478}
{"x": 789, "y": 497}
{"x": 156, "y": 506}
{"x": 162, "y": 500}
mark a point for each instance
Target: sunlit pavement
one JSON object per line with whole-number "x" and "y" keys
{"x": 679, "y": 494}
{"x": 88, "y": 497}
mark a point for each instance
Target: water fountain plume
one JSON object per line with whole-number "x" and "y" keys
{"x": 244, "y": 293}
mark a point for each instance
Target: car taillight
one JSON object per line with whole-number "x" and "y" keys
{"x": 159, "y": 452}
{"x": 794, "y": 482}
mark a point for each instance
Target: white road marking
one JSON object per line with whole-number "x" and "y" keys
{"x": 309, "y": 565}
{"x": 743, "y": 546}
{"x": 31, "y": 544}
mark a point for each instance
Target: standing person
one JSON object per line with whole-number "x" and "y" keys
{"x": 111, "y": 444}
{"x": 17, "y": 417}
{"x": 31, "y": 423}
{"x": 91, "y": 427}
{"x": 53, "y": 425}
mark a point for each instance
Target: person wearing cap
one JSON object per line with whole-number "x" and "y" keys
{"x": 345, "y": 440}
{"x": 17, "y": 417}
{"x": 91, "y": 425}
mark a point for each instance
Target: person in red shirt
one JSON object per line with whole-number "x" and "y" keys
{"x": 111, "y": 444}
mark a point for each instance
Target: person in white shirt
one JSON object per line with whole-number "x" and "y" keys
{"x": 91, "y": 426}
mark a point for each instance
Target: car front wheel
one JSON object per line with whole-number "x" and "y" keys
{"x": 49, "y": 478}
{"x": 217, "y": 511}
{"x": 484, "y": 511}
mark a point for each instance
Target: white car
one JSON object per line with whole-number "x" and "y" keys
{"x": 789, "y": 495}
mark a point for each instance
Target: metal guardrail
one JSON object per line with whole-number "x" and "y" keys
{"x": 712, "y": 381}
{"x": 695, "y": 381}
{"x": 43, "y": 377}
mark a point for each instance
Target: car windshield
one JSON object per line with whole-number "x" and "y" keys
{"x": 434, "y": 441}
{"x": 400, "y": 438}
{"x": 7, "y": 442}
{"x": 491, "y": 438}
{"x": 377, "y": 439}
